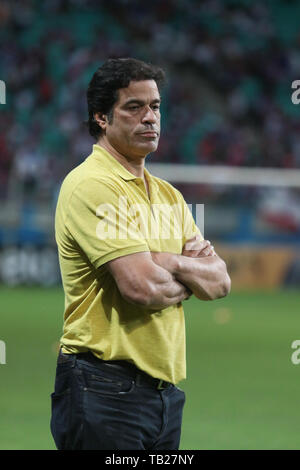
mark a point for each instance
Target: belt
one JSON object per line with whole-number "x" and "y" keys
{"x": 125, "y": 367}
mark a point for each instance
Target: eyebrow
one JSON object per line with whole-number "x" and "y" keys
{"x": 141, "y": 102}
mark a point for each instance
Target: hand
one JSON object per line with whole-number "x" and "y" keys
{"x": 196, "y": 248}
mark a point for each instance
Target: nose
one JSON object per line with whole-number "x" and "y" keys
{"x": 149, "y": 116}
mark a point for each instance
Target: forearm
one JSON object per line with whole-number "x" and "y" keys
{"x": 206, "y": 277}
{"x": 153, "y": 288}
{"x": 165, "y": 291}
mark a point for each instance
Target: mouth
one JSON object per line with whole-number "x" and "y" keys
{"x": 151, "y": 134}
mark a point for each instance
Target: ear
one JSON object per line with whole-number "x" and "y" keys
{"x": 101, "y": 119}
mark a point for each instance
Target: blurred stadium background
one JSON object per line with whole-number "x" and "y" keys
{"x": 230, "y": 141}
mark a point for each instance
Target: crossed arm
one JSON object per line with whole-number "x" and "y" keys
{"x": 200, "y": 270}
{"x": 158, "y": 280}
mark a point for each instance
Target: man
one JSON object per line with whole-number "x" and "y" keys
{"x": 123, "y": 344}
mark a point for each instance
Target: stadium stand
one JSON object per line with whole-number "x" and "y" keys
{"x": 239, "y": 49}
{"x": 228, "y": 100}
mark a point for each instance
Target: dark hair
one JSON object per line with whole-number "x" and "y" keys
{"x": 114, "y": 74}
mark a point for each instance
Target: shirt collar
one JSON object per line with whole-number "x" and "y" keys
{"x": 110, "y": 162}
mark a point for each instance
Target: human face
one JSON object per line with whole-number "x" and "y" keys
{"x": 135, "y": 127}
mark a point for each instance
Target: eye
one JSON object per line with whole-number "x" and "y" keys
{"x": 155, "y": 107}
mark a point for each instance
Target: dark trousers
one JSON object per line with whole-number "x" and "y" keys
{"x": 111, "y": 405}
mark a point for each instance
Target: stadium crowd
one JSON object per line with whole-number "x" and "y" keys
{"x": 240, "y": 49}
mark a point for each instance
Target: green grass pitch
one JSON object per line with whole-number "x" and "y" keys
{"x": 242, "y": 390}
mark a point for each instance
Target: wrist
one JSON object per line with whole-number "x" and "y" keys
{"x": 176, "y": 264}
{"x": 171, "y": 262}
{"x": 168, "y": 261}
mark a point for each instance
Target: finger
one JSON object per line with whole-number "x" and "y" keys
{"x": 194, "y": 238}
{"x": 197, "y": 236}
{"x": 190, "y": 253}
{"x": 206, "y": 252}
{"x": 192, "y": 246}
{"x": 196, "y": 244}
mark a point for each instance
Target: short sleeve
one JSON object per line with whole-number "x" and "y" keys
{"x": 99, "y": 221}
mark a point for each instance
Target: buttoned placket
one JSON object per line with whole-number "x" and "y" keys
{"x": 139, "y": 182}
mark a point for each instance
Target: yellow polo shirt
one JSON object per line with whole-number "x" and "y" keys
{"x": 104, "y": 212}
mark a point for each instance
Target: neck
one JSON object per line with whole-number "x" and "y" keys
{"x": 134, "y": 165}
